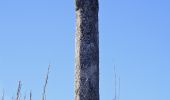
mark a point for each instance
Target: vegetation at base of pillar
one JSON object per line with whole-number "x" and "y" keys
{"x": 18, "y": 93}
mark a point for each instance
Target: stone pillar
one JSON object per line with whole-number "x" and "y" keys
{"x": 87, "y": 50}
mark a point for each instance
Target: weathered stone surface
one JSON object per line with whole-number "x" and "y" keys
{"x": 87, "y": 50}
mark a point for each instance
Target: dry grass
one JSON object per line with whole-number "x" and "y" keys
{"x": 3, "y": 95}
{"x": 117, "y": 92}
{"x": 18, "y": 91}
{"x": 24, "y": 97}
{"x": 18, "y": 94}
{"x": 45, "y": 85}
{"x": 30, "y": 95}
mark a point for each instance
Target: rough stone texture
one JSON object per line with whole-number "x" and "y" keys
{"x": 87, "y": 50}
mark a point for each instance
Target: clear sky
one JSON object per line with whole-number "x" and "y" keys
{"x": 134, "y": 36}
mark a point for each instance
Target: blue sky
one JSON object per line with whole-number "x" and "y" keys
{"x": 134, "y": 36}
